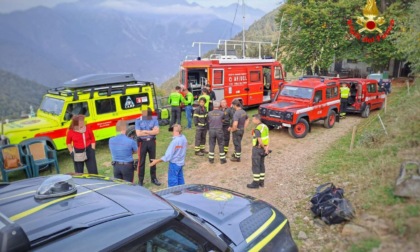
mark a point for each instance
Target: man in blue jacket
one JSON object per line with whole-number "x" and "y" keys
{"x": 175, "y": 155}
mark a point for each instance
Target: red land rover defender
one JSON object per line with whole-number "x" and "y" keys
{"x": 365, "y": 95}
{"x": 301, "y": 102}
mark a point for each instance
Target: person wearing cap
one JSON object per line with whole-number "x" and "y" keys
{"x": 147, "y": 128}
{"x": 175, "y": 154}
{"x": 215, "y": 121}
{"x": 175, "y": 99}
{"x": 122, "y": 149}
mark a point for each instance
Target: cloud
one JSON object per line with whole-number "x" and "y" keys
{"x": 143, "y": 7}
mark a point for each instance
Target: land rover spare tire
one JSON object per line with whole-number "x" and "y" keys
{"x": 300, "y": 129}
{"x": 330, "y": 119}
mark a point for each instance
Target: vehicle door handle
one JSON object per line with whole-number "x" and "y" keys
{"x": 246, "y": 89}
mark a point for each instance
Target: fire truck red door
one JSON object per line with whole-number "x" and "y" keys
{"x": 255, "y": 87}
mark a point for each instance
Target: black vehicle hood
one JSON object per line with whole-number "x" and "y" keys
{"x": 234, "y": 214}
{"x": 96, "y": 201}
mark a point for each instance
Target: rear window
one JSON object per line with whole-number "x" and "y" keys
{"x": 105, "y": 106}
{"x": 332, "y": 92}
{"x": 134, "y": 101}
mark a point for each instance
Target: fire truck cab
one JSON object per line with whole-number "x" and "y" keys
{"x": 252, "y": 81}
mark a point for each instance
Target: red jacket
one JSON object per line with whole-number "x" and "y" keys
{"x": 76, "y": 138}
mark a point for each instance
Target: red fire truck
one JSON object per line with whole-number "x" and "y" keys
{"x": 252, "y": 81}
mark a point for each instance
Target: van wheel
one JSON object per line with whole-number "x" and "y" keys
{"x": 131, "y": 132}
{"x": 366, "y": 112}
{"x": 300, "y": 129}
{"x": 330, "y": 120}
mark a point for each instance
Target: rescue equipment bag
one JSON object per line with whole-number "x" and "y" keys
{"x": 163, "y": 114}
{"x": 329, "y": 204}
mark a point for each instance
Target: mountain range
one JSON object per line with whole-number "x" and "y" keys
{"x": 147, "y": 38}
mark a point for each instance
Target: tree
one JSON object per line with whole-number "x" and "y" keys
{"x": 316, "y": 32}
{"x": 408, "y": 38}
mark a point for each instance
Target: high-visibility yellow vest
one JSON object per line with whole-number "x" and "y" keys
{"x": 207, "y": 97}
{"x": 264, "y": 135}
{"x": 175, "y": 99}
{"x": 189, "y": 99}
{"x": 345, "y": 91}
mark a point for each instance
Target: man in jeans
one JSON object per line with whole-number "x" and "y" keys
{"x": 122, "y": 149}
{"x": 175, "y": 155}
{"x": 189, "y": 100}
{"x": 240, "y": 122}
{"x": 146, "y": 130}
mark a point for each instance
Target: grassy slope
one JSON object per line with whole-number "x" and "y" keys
{"x": 368, "y": 173}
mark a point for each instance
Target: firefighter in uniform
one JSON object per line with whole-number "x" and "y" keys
{"x": 175, "y": 99}
{"x": 205, "y": 95}
{"x": 240, "y": 122}
{"x": 345, "y": 91}
{"x": 260, "y": 140}
{"x": 146, "y": 130}
{"x": 227, "y": 123}
{"x": 212, "y": 97}
{"x": 200, "y": 122}
{"x": 215, "y": 120}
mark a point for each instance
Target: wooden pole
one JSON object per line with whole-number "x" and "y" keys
{"x": 383, "y": 126}
{"x": 408, "y": 86}
{"x": 353, "y": 135}
{"x": 386, "y": 99}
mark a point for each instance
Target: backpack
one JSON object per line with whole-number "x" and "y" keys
{"x": 329, "y": 204}
{"x": 163, "y": 114}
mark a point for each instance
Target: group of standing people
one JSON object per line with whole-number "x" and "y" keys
{"x": 212, "y": 117}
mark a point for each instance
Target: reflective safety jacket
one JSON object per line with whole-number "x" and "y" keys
{"x": 200, "y": 117}
{"x": 260, "y": 131}
{"x": 345, "y": 91}
{"x": 175, "y": 99}
{"x": 189, "y": 99}
{"x": 207, "y": 97}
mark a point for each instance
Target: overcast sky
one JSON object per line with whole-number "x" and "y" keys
{"x": 14, "y": 5}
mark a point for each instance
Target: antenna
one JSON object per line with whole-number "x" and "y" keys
{"x": 243, "y": 29}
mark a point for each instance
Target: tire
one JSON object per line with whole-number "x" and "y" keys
{"x": 300, "y": 129}
{"x": 131, "y": 132}
{"x": 330, "y": 120}
{"x": 366, "y": 112}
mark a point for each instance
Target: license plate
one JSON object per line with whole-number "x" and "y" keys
{"x": 286, "y": 125}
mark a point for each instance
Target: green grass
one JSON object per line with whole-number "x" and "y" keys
{"x": 103, "y": 157}
{"x": 373, "y": 165}
{"x": 365, "y": 245}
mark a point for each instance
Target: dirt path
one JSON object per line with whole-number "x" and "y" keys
{"x": 286, "y": 182}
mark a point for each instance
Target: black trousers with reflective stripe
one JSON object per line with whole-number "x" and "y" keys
{"x": 200, "y": 138}
{"x": 216, "y": 135}
{"x": 258, "y": 165}
{"x": 226, "y": 137}
{"x": 237, "y": 141}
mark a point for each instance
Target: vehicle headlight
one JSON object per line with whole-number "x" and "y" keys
{"x": 289, "y": 116}
{"x": 263, "y": 111}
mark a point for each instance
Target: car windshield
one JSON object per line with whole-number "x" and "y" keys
{"x": 52, "y": 105}
{"x": 297, "y": 92}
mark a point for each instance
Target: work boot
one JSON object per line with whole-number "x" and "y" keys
{"x": 199, "y": 153}
{"x": 141, "y": 183}
{"x": 261, "y": 183}
{"x": 156, "y": 182}
{"x": 253, "y": 185}
{"x": 235, "y": 159}
{"x": 223, "y": 161}
{"x": 204, "y": 151}
{"x": 211, "y": 160}
{"x": 233, "y": 155}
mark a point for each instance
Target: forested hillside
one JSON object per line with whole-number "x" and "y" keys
{"x": 265, "y": 29}
{"x": 17, "y": 94}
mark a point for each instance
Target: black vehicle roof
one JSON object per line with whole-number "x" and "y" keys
{"x": 96, "y": 201}
{"x": 92, "y": 80}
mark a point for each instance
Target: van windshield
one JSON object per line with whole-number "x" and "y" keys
{"x": 297, "y": 92}
{"x": 52, "y": 105}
